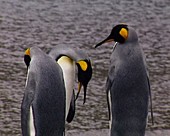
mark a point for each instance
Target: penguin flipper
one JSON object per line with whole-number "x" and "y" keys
{"x": 71, "y": 112}
{"x": 25, "y": 106}
{"x": 150, "y": 94}
{"x": 109, "y": 82}
{"x": 108, "y": 86}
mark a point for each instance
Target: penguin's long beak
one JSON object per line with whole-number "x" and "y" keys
{"x": 107, "y": 40}
{"x": 79, "y": 88}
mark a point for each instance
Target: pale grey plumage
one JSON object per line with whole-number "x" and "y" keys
{"x": 74, "y": 53}
{"x": 129, "y": 89}
{"x": 45, "y": 93}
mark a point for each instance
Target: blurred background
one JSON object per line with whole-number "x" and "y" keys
{"x": 80, "y": 23}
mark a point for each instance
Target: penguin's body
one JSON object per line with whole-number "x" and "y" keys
{"x": 129, "y": 90}
{"x": 44, "y": 96}
{"x": 68, "y": 58}
{"x": 127, "y": 84}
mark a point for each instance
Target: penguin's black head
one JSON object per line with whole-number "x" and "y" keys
{"x": 27, "y": 57}
{"x": 118, "y": 34}
{"x": 84, "y": 75}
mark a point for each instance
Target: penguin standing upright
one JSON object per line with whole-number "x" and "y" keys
{"x": 127, "y": 86}
{"x": 43, "y": 105}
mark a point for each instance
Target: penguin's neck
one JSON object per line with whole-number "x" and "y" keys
{"x": 127, "y": 51}
{"x": 68, "y": 67}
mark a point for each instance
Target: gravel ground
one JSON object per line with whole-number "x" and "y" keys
{"x": 106, "y": 133}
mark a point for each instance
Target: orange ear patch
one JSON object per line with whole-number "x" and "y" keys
{"x": 124, "y": 33}
{"x": 27, "y": 52}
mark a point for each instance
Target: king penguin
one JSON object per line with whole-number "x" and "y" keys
{"x": 127, "y": 85}
{"x": 43, "y": 104}
{"x": 68, "y": 59}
